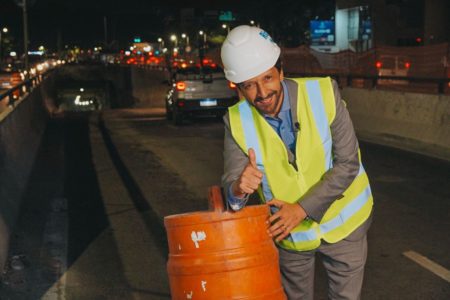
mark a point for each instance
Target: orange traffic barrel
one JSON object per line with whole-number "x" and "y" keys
{"x": 219, "y": 254}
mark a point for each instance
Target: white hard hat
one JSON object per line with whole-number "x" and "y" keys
{"x": 247, "y": 52}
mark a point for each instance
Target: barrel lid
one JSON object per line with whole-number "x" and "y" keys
{"x": 216, "y": 213}
{"x": 215, "y": 216}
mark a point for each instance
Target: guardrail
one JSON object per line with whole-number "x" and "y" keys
{"x": 403, "y": 83}
{"x": 15, "y": 93}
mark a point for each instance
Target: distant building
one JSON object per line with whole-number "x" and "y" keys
{"x": 362, "y": 24}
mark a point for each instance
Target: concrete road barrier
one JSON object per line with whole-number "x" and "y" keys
{"x": 411, "y": 121}
{"x": 21, "y": 130}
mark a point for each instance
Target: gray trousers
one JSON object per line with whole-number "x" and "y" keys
{"x": 344, "y": 263}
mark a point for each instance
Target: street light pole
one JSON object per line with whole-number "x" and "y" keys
{"x": 25, "y": 36}
{"x": 4, "y": 30}
{"x": 185, "y": 36}
{"x": 174, "y": 39}
{"x": 105, "y": 30}
{"x": 227, "y": 27}
{"x": 161, "y": 41}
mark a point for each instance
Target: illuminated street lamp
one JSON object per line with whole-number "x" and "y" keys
{"x": 202, "y": 33}
{"x": 202, "y": 50}
{"x": 4, "y": 30}
{"x": 161, "y": 41}
{"x": 174, "y": 39}
{"x": 185, "y": 36}
{"x": 225, "y": 26}
{"x": 252, "y": 22}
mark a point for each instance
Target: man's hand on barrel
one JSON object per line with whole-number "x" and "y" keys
{"x": 250, "y": 177}
{"x": 288, "y": 216}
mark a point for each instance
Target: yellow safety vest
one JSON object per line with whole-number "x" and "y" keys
{"x": 316, "y": 110}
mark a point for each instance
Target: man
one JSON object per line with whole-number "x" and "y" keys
{"x": 292, "y": 140}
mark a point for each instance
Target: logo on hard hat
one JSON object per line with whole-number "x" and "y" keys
{"x": 266, "y": 36}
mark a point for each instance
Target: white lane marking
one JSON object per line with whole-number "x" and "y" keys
{"x": 428, "y": 264}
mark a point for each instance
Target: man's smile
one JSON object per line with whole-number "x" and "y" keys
{"x": 266, "y": 100}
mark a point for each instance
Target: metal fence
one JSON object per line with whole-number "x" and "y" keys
{"x": 8, "y": 98}
{"x": 423, "y": 69}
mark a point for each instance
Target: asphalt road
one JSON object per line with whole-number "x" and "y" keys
{"x": 412, "y": 207}
{"x": 124, "y": 174}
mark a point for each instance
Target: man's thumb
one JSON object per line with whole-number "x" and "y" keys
{"x": 252, "y": 157}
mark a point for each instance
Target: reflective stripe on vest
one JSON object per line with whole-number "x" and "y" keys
{"x": 316, "y": 102}
{"x": 337, "y": 221}
{"x": 251, "y": 140}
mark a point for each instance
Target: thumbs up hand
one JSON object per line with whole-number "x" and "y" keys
{"x": 250, "y": 177}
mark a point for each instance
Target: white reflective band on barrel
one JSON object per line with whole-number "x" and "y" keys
{"x": 346, "y": 213}
{"x": 251, "y": 139}
{"x": 321, "y": 120}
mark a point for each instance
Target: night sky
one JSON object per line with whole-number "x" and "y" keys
{"x": 81, "y": 22}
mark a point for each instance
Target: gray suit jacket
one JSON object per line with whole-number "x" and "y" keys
{"x": 345, "y": 159}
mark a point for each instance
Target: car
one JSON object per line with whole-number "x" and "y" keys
{"x": 8, "y": 80}
{"x": 393, "y": 65}
{"x": 199, "y": 89}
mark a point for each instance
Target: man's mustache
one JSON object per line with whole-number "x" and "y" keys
{"x": 258, "y": 99}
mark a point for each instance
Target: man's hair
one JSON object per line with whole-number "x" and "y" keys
{"x": 278, "y": 65}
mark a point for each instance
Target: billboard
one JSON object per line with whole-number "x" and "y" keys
{"x": 322, "y": 32}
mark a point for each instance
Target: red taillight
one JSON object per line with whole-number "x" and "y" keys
{"x": 180, "y": 104}
{"x": 231, "y": 85}
{"x": 378, "y": 64}
{"x": 181, "y": 86}
{"x": 205, "y": 61}
{"x": 407, "y": 65}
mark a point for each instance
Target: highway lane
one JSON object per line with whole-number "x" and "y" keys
{"x": 412, "y": 207}
{"x": 121, "y": 176}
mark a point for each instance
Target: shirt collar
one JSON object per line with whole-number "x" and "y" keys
{"x": 286, "y": 105}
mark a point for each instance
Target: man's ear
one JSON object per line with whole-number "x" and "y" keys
{"x": 240, "y": 95}
{"x": 281, "y": 75}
